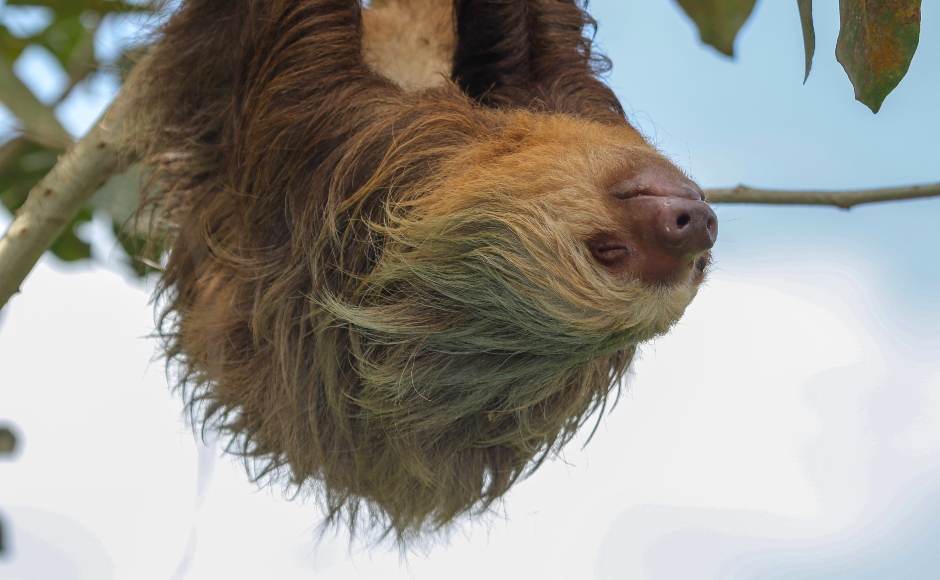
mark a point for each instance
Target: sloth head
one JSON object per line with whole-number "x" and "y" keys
{"x": 511, "y": 290}
{"x": 556, "y": 238}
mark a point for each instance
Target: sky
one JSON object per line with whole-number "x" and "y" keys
{"x": 788, "y": 427}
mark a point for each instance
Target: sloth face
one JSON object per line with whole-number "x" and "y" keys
{"x": 558, "y": 228}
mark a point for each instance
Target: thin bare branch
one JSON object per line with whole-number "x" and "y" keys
{"x": 55, "y": 200}
{"x": 844, "y": 199}
{"x": 81, "y": 62}
{"x": 39, "y": 122}
{"x": 11, "y": 150}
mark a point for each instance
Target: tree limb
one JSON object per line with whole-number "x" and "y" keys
{"x": 843, "y": 199}
{"x": 55, "y": 200}
{"x": 11, "y": 150}
{"x": 39, "y": 122}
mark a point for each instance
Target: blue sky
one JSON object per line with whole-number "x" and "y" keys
{"x": 789, "y": 427}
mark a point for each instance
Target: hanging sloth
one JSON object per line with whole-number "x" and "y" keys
{"x": 413, "y": 247}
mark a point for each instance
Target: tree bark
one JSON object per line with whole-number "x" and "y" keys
{"x": 55, "y": 200}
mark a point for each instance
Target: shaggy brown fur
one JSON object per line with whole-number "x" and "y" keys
{"x": 383, "y": 296}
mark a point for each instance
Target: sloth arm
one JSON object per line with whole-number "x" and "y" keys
{"x": 531, "y": 53}
{"x": 304, "y": 88}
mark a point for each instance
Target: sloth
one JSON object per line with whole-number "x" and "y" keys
{"x": 412, "y": 247}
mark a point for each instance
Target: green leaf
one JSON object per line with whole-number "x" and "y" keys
{"x": 68, "y": 247}
{"x": 61, "y": 37}
{"x": 137, "y": 249}
{"x": 718, "y": 21}
{"x": 876, "y": 43}
{"x": 80, "y": 62}
{"x": 22, "y": 164}
{"x": 10, "y": 46}
{"x": 809, "y": 34}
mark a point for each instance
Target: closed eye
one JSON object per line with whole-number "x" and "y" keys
{"x": 630, "y": 194}
{"x": 610, "y": 254}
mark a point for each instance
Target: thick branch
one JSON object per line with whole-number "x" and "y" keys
{"x": 54, "y": 202}
{"x": 844, "y": 199}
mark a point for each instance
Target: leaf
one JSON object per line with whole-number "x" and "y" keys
{"x": 138, "y": 249}
{"x": 68, "y": 247}
{"x": 809, "y": 34}
{"x": 876, "y": 43}
{"x": 22, "y": 164}
{"x": 10, "y": 46}
{"x": 81, "y": 60}
{"x": 61, "y": 37}
{"x": 718, "y": 21}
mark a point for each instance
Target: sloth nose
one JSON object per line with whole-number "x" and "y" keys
{"x": 686, "y": 226}
{"x": 664, "y": 227}
{"x": 672, "y": 209}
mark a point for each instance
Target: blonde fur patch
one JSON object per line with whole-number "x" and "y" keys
{"x": 409, "y": 41}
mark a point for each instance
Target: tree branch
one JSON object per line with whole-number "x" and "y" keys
{"x": 844, "y": 199}
{"x": 39, "y": 122}
{"x": 11, "y": 150}
{"x": 55, "y": 200}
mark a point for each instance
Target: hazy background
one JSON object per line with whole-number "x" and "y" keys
{"x": 789, "y": 427}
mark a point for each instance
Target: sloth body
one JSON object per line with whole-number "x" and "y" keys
{"x": 413, "y": 250}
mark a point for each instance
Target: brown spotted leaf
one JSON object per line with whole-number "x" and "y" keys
{"x": 718, "y": 21}
{"x": 876, "y": 43}
{"x": 809, "y": 33}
